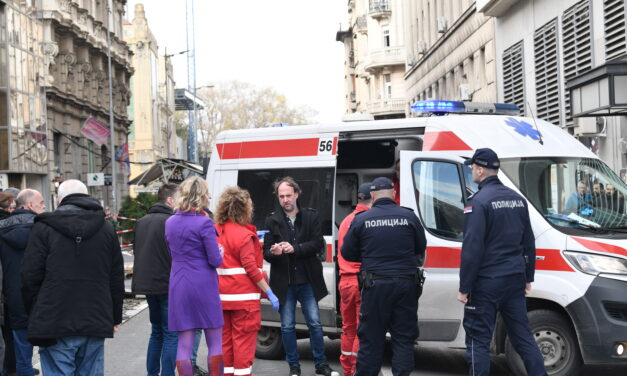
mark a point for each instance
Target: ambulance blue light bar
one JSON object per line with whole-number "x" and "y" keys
{"x": 457, "y": 107}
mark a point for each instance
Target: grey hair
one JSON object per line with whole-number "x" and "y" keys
{"x": 70, "y": 187}
{"x": 25, "y": 196}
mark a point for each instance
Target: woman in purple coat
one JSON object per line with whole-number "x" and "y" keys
{"x": 194, "y": 294}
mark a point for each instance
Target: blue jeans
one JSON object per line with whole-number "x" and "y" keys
{"x": 73, "y": 356}
{"x": 162, "y": 345}
{"x": 304, "y": 294}
{"x": 197, "y": 338}
{"x": 23, "y": 353}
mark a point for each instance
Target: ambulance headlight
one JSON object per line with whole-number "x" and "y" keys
{"x": 596, "y": 264}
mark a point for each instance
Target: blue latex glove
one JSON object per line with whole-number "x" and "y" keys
{"x": 273, "y": 299}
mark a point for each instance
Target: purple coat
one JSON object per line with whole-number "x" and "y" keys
{"x": 194, "y": 297}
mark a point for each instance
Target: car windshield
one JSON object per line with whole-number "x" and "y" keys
{"x": 571, "y": 192}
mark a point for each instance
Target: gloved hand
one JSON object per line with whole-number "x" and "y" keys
{"x": 273, "y": 299}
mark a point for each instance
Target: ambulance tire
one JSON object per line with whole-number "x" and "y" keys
{"x": 556, "y": 337}
{"x": 269, "y": 343}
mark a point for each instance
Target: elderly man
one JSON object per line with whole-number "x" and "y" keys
{"x": 14, "y": 234}
{"x": 73, "y": 284}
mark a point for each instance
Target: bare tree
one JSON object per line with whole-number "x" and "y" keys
{"x": 237, "y": 105}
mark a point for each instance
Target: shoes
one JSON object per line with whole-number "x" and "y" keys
{"x": 199, "y": 371}
{"x": 325, "y": 370}
{"x": 36, "y": 371}
{"x": 294, "y": 370}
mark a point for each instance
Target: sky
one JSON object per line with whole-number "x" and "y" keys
{"x": 288, "y": 45}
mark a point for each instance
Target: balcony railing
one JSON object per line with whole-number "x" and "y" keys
{"x": 385, "y": 56}
{"x": 380, "y": 8}
{"x": 387, "y": 106}
{"x": 361, "y": 24}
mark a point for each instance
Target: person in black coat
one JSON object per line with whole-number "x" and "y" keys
{"x": 151, "y": 277}
{"x": 73, "y": 283}
{"x": 291, "y": 247}
{"x": 14, "y": 234}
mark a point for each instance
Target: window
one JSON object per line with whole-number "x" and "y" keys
{"x": 547, "y": 78}
{"x": 386, "y": 38}
{"x": 577, "y": 50}
{"x": 316, "y": 185}
{"x": 440, "y": 200}
{"x": 513, "y": 76}
{"x": 388, "y": 85}
{"x": 614, "y": 15}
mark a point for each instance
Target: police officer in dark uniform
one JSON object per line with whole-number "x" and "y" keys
{"x": 497, "y": 267}
{"x": 390, "y": 243}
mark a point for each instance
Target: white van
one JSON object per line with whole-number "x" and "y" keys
{"x": 578, "y": 305}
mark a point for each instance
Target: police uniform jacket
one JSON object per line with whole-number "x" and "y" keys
{"x": 498, "y": 239}
{"x": 388, "y": 240}
{"x": 309, "y": 241}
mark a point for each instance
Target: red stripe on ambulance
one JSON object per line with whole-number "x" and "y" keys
{"x": 601, "y": 247}
{"x": 299, "y": 147}
{"x": 450, "y": 257}
{"x": 437, "y": 141}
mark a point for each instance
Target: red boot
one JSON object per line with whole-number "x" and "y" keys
{"x": 184, "y": 367}
{"x": 216, "y": 365}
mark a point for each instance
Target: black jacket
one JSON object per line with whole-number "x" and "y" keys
{"x": 151, "y": 270}
{"x": 308, "y": 243}
{"x": 4, "y": 214}
{"x": 14, "y": 233}
{"x": 72, "y": 275}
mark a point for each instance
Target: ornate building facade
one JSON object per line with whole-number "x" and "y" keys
{"x": 77, "y": 89}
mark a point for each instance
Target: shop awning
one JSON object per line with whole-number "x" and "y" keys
{"x": 167, "y": 170}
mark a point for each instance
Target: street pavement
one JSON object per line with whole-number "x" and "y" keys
{"x": 125, "y": 355}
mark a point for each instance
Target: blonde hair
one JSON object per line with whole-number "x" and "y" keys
{"x": 193, "y": 195}
{"x": 234, "y": 205}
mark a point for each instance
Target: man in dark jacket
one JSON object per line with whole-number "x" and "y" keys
{"x": 14, "y": 234}
{"x": 291, "y": 247}
{"x": 151, "y": 276}
{"x": 73, "y": 284}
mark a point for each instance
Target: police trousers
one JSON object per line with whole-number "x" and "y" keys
{"x": 507, "y": 296}
{"x": 390, "y": 305}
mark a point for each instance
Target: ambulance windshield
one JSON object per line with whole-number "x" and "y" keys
{"x": 571, "y": 192}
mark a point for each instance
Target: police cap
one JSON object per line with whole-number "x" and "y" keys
{"x": 381, "y": 183}
{"x": 485, "y": 157}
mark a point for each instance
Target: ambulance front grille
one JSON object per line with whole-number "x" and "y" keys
{"x": 617, "y": 311}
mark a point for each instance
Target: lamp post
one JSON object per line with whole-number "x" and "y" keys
{"x": 114, "y": 203}
{"x": 167, "y": 94}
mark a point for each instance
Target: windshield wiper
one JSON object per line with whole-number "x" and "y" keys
{"x": 574, "y": 221}
{"x": 621, "y": 229}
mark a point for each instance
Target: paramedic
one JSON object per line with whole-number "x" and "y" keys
{"x": 497, "y": 267}
{"x": 390, "y": 242}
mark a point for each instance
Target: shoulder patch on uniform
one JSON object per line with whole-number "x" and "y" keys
{"x": 468, "y": 209}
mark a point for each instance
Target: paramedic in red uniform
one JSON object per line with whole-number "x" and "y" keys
{"x": 349, "y": 289}
{"x": 241, "y": 280}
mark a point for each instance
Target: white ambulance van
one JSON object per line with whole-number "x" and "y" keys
{"x": 578, "y": 306}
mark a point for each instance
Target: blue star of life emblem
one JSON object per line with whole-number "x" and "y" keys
{"x": 524, "y": 128}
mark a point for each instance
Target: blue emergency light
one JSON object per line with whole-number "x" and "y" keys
{"x": 445, "y": 107}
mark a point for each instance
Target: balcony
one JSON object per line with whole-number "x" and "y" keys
{"x": 387, "y": 106}
{"x": 361, "y": 25}
{"x": 380, "y": 9}
{"x": 383, "y": 57}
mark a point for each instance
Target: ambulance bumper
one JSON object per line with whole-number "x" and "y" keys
{"x": 600, "y": 319}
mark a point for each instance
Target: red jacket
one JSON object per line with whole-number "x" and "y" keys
{"x": 241, "y": 267}
{"x": 347, "y": 267}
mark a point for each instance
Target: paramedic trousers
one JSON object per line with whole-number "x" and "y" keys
{"x": 349, "y": 308}
{"x": 507, "y": 296}
{"x": 390, "y": 305}
{"x": 239, "y": 338}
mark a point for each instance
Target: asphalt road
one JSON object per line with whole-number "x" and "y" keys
{"x": 126, "y": 355}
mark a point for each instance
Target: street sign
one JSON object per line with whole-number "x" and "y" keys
{"x": 108, "y": 179}
{"x": 95, "y": 179}
{"x": 4, "y": 181}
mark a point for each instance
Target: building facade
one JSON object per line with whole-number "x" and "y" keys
{"x": 374, "y": 58}
{"x": 77, "y": 89}
{"x": 542, "y": 45}
{"x": 152, "y": 133}
{"x": 24, "y": 132}
{"x": 450, "y": 51}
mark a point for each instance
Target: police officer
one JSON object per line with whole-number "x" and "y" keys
{"x": 390, "y": 243}
{"x": 497, "y": 267}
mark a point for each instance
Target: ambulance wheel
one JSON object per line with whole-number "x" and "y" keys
{"x": 269, "y": 343}
{"x": 557, "y": 342}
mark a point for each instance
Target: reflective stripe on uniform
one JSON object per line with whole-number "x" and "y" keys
{"x": 233, "y": 271}
{"x": 238, "y": 297}
{"x": 228, "y": 369}
{"x": 348, "y": 353}
{"x": 242, "y": 371}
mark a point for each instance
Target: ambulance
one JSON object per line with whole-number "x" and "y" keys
{"x": 578, "y": 305}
